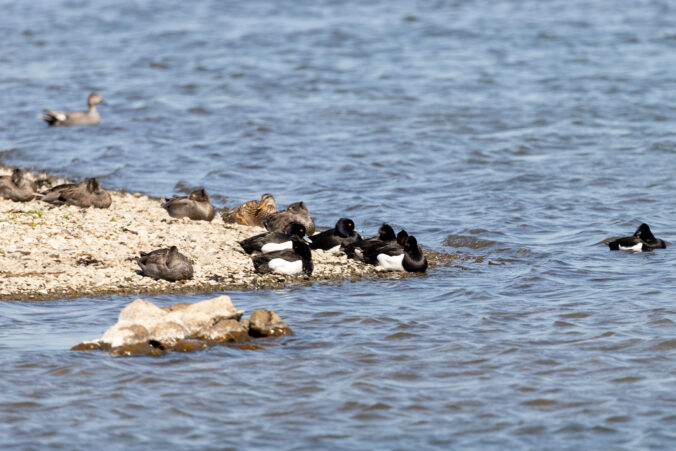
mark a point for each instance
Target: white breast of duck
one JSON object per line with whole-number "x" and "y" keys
{"x": 286, "y": 267}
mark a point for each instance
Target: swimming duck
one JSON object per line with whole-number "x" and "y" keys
{"x": 91, "y": 117}
{"x": 289, "y": 262}
{"x": 16, "y": 187}
{"x": 85, "y": 194}
{"x": 298, "y": 212}
{"x": 385, "y": 236}
{"x": 333, "y": 239}
{"x": 642, "y": 240}
{"x": 394, "y": 258}
{"x": 197, "y": 206}
{"x": 274, "y": 241}
{"x": 252, "y": 212}
{"x": 167, "y": 264}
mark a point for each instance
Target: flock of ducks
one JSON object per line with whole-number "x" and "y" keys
{"x": 282, "y": 249}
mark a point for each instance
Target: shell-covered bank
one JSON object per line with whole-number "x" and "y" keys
{"x": 51, "y": 252}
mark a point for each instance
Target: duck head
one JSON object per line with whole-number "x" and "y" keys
{"x": 93, "y": 185}
{"x": 643, "y": 232}
{"x": 295, "y": 229}
{"x": 94, "y": 99}
{"x": 345, "y": 227}
{"x": 298, "y": 207}
{"x": 267, "y": 199}
{"x": 386, "y": 233}
{"x": 402, "y": 237}
{"x": 199, "y": 195}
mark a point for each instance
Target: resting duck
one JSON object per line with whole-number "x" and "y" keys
{"x": 91, "y": 117}
{"x": 252, "y": 212}
{"x": 298, "y": 212}
{"x": 274, "y": 241}
{"x": 16, "y": 187}
{"x": 197, "y": 206}
{"x": 333, "y": 239}
{"x": 289, "y": 262}
{"x": 85, "y": 194}
{"x": 642, "y": 240}
{"x": 393, "y": 258}
{"x": 385, "y": 236}
{"x": 167, "y": 264}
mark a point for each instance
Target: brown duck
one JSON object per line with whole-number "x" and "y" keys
{"x": 167, "y": 264}
{"x": 298, "y": 212}
{"x": 252, "y": 212}
{"x": 90, "y": 117}
{"x": 85, "y": 194}
{"x": 197, "y": 206}
{"x": 16, "y": 187}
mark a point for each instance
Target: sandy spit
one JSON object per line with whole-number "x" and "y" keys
{"x": 55, "y": 252}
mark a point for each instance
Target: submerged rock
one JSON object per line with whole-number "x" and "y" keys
{"x": 266, "y": 323}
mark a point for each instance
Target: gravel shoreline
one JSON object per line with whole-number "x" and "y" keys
{"x": 56, "y": 252}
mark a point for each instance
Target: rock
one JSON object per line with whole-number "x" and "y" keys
{"x": 124, "y": 334}
{"x": 141, "y": 312}
{"x": 266, "y": 323}
{"x": 137, "y": 349}
{"x": 202, "y": 315}
{"x": 224, "y": 330}
{"x": 167, "y": 333}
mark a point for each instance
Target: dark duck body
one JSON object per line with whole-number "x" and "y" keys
{"x": 385, "y": 236}
{"x": 393, "y": 257}
{"x": 643, "y": 240}
{"x": 197, "y": 206}
{"x": 17, "y": 187}
{"x": 296, "y": 212}
{"x": 289, "y": 262}
{"x": 341, "y": 235}
{"x": 274, "y": 241}
{"x": 85, "y": 194}
{"x": 167, "y": 264}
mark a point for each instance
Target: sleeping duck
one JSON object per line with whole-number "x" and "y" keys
{"x": 393, "y": 258}
{"x": 643, "y": 240}
{"x": 85, "y": 194}
{"x": 332, "y": 240}
{"x": 167, "y": 264}
{"x": 252, "y": 212}
{"x": 296, "y": 260}
{"x": 197, "y": 206}
{"x": 17, "y": 187}
{"x": 274, "y": 241}
{"x": 298, "y": 212}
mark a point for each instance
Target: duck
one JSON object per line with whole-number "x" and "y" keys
{"x": 385, "y": 235}
{"x": 91, "y": 117}
{"x": 197, "y": 206}
{"x": 166, "y": 264}
{"x": 252, "y": 212}
{"x": 298, "y": 212}
{"x": 296, "y": 260}
{"x": 394, "y": 258}
{"x": 16, "y": 187}
{"x": 274, "y": 241}
{"x": 85, "y": 194}
{"x": 332, "y": 240}
{"x": 643, "y": 240}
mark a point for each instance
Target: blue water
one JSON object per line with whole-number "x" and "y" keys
{"x": 522, "y": 131}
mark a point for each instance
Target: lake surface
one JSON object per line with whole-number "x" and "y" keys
{"x": 522, "y": 131}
